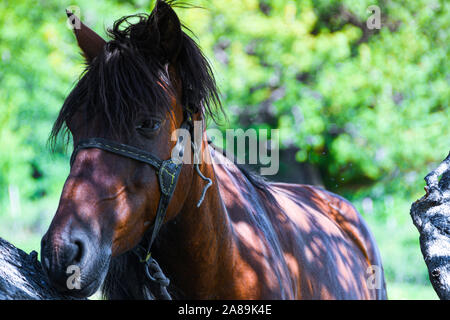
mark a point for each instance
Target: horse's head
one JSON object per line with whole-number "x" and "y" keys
{"x": 135, "y": 92}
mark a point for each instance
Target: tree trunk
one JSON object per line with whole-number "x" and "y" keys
{"x": 22, "y": 277}
{"x": 431, "y": 216}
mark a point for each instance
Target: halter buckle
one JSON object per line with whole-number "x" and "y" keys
{"x": 168, "y": 176}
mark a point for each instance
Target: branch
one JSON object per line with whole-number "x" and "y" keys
{"x": 22, "y": 277}
{"x": 431, "y": 216}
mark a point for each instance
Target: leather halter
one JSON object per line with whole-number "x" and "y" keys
{"x": 168, "y": 172}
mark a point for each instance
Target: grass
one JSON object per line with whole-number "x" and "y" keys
{"x": 411, "y": 291}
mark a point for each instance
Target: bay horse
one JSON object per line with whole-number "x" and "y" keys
{"x": 126, "y": 203}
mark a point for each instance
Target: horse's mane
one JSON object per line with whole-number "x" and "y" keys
{"x": 255, "y": 179}
{"x": 129, "y": 77}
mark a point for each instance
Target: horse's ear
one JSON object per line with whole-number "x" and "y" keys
{"x": 169, "y": 28}
{"x": 89, "y": 42}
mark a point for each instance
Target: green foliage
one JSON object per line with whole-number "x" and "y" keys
{"x": 369, "y": 108}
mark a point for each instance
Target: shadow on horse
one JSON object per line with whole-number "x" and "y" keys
{"x": 136, "y": 203}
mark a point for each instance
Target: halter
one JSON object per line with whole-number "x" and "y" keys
{"x": 168, "y": 172}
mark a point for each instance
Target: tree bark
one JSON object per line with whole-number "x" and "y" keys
{"x": 22, "y": 277}
{"x": 431, "y": 216}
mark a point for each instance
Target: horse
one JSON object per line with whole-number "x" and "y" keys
{"x": 130, "y": 213}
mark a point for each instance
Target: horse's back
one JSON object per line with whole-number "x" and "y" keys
{"x": 297, "y": 241}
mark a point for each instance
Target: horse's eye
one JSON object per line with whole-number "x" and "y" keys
{"x": 149, "y": 125}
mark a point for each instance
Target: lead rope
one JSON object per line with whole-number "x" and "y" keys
{"x": 154, "y": 273}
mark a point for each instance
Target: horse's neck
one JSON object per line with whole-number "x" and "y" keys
{"x": 195, "y": 248}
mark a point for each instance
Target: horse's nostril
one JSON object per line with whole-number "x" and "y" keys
{"x": 79, "y": 252}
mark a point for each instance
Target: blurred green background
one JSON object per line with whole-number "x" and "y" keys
{"x": 363, "y": 112}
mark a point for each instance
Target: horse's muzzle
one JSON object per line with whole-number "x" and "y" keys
{"x": 67, "y": 259}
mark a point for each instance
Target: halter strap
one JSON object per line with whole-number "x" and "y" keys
{"x": 117, "y": 148}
